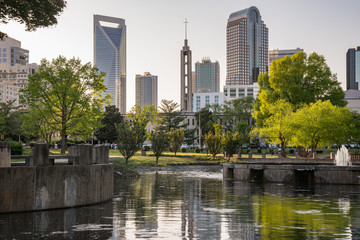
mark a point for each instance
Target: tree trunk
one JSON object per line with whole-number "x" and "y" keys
{"x": 157, "y": 160}
{"x": 63, "y": 141}
{"x": 283, "y": 153}
{"x": 126, "y": 160}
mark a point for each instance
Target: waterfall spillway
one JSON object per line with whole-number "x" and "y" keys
{"x": 342, "y": 157}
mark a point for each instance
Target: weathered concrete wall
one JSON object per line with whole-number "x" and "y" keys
{"x": 272, "y": 175}
{"x": 5, "y": 154}
{"x": 47, "y": 187}
{"x": 338, "y": 175}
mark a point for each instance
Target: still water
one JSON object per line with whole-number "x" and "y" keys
{"x": 199, "y": 205}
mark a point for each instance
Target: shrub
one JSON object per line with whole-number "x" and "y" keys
{"x": 319, "y": 151}
{"x": 16, "y": 148}
{"x": 147, "y": 148}
{"x": 183, "y": 150}
{"x": 259, "y": 150}
{"x": 291, "y": 151}
{"x": 197, "y": 150}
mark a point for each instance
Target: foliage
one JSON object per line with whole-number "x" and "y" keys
{"x": 239, "y": 110}
{"x": 183, "y": 150}
{"x": 275, "y": 128}
{"x": 232, "y": 143}
{"x": 130, "y": 138}
{"x": 10, "y": 120}
{"x": 214, "y": 142}
{"x": 176, "y": 138}
{"x": 170, "y": 116}
{"x": 298, "y": 80}
{"x": 160, "y": 143}
{"x": 206, "y": 123}
{"x": 67, "y": 96}
{"x": 112, "y": 118}
{"x": 143, "y": 115}
{"x": 34, "y": 126}
{"x": 34, "y": 14}
{"x": 16, "y": 148}
{"x": 319, "y": 124}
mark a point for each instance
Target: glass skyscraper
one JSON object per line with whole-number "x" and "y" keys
{"x": 146, "y": 92}
{"x": 110, "y": 56}
{"x": 353, "y": 68}
{"x": 207, "y": 76}
{"x": 246, "y": 47}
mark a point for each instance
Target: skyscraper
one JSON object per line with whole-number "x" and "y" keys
{"x": 14, "y": 69}
{"x": 186, "y": 76}
{"x": 146, "y": 90}
{"x": 353, "y": 68}
{"x": 277, "y": 54}
{"x": 247, "y": 47}
{"x": 207, "y": 76}
{"x": 110, "y": 56}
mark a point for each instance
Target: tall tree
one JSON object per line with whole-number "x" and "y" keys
{"x": 67, "y": 95}
{"x": 160, "y": 142}
{"x": 130, "y": 138}
{"x": 11, "y": 121}
{"x": 232, "y": 143}
{"x": 275, "y": 128}
{"x": 170, "y": 116}
{"x": 176, "y": 138}
{"x": 214, "y": 141}
{"x": 111, "y": 118}
{"x": 206, "y": 123}
{"x": 34, "y": 126}
{"x": 34, "y": 14}
{"x": 298, "y": 80}
{"x": 320, "y": 123}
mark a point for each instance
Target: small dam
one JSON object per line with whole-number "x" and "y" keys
{"x": 292, "y": 170}
{"x": 82, "y": 177}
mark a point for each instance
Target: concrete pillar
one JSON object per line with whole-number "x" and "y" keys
{"x": 264, "y": 156}
{"x": 40, "y": 154}
{"x": 5, "y": 154}
{"x": 85, "y": 154}
{"x": 279, "y": 155}
{"x": 296, "y": 155}
{"x": 250, "y": 155}
{"x": 100, "y": 154}
{"x": 314, "y": 155}
{"x": 73, "y": 153}
{"x": 332, "y": 155}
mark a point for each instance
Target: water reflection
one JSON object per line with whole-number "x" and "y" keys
{"x": 200, "y": 205}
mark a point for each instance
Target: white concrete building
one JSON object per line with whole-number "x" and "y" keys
{"x": 238, "y": 91}
{"x": 200, "y": 100}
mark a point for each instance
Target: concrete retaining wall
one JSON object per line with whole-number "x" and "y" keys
{"x": 50, "y": 187}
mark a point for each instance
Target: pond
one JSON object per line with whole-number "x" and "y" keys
{"x": 199, "y": 205}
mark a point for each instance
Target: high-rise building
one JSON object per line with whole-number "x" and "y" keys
{"x": 353, "y": 68}
{"x": 207, "y": 76}
{"x": 277, "y": 54}
{"x": 146, "y": 90}
{"x": 186, "y": 76}
{"x": 246, "y": 47}
{"x": 110, "y": 56}
{"x": 14, "y": 69}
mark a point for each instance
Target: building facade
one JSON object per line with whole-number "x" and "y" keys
{"x": 203, "y": 99}
{"x": 14, "y": 69}
{"x": 146, "y": 92}
{"x": 207, "y": 76}
{"x": 353, "y": 99}
{"x": 277, "y": 54}
{"x": 238, "y": 91}
{"x": 186, "y": 78}
{"x": 353, "y": 68}
{"x": 246, "y": 47}
{"x": 110, "y": 56}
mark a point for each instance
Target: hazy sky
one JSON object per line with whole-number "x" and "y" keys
{"x": 155, "y": 33}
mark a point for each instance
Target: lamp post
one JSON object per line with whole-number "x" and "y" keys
{"x": 199, "y": 132}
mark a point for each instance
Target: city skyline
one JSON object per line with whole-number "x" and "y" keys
{"x": 305, "y": 24}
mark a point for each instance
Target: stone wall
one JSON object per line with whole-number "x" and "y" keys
{"x": 39, "y": 188}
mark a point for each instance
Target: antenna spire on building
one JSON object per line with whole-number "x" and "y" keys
{"x": 186, "y": 22}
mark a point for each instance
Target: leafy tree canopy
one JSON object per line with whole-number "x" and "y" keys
{"x": 176, "y": 139}
{"x": 160, "y": 143}
{"x": 32, "y": 13}
{"x": 111, "y": 118}
{"x": 170, "y": 116}
{"x": 67, "y": 96}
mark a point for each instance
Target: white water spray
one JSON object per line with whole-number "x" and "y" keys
{"x": 342, "y": 157}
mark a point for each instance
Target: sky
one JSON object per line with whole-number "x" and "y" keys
{"x": 156, "y": 32}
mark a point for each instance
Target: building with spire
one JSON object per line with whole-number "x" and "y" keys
{"x": 110, "y": 56}
{"x": 186, "y": 76}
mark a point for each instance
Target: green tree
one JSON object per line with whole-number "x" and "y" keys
{"x": 320, "y": 123}
{"x": 176, "y": 138}
{"x": 160, "y": 143}
{"x": 11, "y": 121}
{"x": 170, "y": 116}
{"x": 143, "y": 115}
{"x": 214, "y": 141}
{"x": 130, "y": 138}
{"x": 67, "y": 95}
{"x": 111, "y": 118}
{"x": 34, "y": 14}
{"x": 298, "y": 80}
{"x": 232, "y": 143}
{"x": 206, "y": 123}
{"x": 34, "y": 126}
{"x": 275, "y": 128}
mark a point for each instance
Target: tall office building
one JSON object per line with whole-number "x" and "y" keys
{"x": 186, "y": 76}
{"x": 246, "y": 47}
{"x": 146, "y": 90}
{"x": 353, "y": 68}
{"x": 207, "y": 76}
{"x": 277, "y": 54}
{"x": 14, "y": 69}
{"x": 110, "y": 56}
